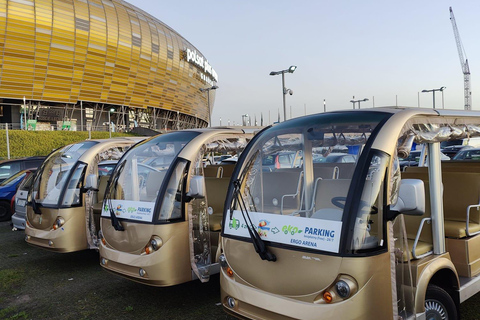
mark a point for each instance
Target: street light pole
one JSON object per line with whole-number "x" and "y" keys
{"x": 433, "y": 91}
{"x": 284, "y": 108}
{"x": 110, "y": 122}
{"x": 443, "y": 102}
{"x": 284, "y": 89}
{"x": 208, "y": 102}
{"x": 353, "y": 101}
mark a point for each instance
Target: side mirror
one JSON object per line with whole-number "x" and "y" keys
{"x": 197, "y": 187}
{"x": 91, "y": 183}
{"x": 411, "y": 199}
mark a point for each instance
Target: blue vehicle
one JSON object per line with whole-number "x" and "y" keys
{"x": 8, "y": 188}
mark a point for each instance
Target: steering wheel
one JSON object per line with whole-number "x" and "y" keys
{"x": 148, "y": 167}
{"x": 339, "y": 202}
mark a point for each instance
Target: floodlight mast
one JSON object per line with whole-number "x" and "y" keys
{"x": 284, "y": 89}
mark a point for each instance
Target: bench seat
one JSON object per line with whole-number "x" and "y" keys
{"x": 457, "y": 229}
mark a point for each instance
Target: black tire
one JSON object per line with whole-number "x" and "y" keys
{"x": 439, "y": 305}
{"x": 5, "y": 211}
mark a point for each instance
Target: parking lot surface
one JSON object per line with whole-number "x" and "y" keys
{"x": 38, "y": 284}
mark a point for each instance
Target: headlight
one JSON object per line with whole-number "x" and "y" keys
{"x": 343, "y": 288}
{"x": 224, "y": 264}
{"x": 59, "y": 222}
{"x": 101, "y": 237}
{"x": 153, "y": 245}
{"x": 156, "y": 243}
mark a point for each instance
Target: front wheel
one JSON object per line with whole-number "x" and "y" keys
{"x": 439, "y": 305}
{"x": 5, "y": 211}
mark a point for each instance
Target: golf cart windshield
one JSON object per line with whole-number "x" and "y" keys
{"x": 140, "y": 175}
{"x": 302, "y": 202}
{"x": 56, "y": 171}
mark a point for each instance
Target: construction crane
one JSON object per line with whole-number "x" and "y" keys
{"x": 463, "y": 63}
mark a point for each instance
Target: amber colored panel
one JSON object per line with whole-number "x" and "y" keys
{"x": 43, "y": 55}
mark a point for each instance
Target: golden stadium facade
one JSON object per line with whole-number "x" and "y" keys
{"x": 82, "y": 60}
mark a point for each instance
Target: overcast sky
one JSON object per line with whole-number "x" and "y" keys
{"x": 386, "y": 51}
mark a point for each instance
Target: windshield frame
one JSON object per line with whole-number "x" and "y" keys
{"x": 69, "y": 180}
{"x": 163, "y": 189}
{"x": 355, "y": 193}
{"x": 348, "y": 217}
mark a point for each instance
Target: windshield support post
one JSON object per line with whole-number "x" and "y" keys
{"x": 436, "y": 200}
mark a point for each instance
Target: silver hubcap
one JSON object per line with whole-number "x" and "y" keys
{"x": 435, "y": 310}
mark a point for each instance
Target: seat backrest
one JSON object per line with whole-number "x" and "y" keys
{"x": 327, "y": 171}
{"x": 278, "y": 183}
{"x": 450, "y": 166}
{"x": 416, "y": 169}
{"x": 216, "y": 189}
{"x": 328, "y": 192}
{"x": 461, "y": 190}
{"x": 152, "y": 184}
{"x": 345, "y": 170}
{"x": 211, "y": 171}
{"x": 102, "y": 186}
{"x": 219, "y": 171}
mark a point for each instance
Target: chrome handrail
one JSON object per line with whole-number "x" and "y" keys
{"x": 468, "y": 219}
{"x": 417, "y": 238}
{"x": 299, "y": 185}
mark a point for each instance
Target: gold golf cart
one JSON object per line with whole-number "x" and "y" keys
{"x": 161, "y": 217}
{"x": 67, "y": 187}
{"x": 362, "y": 240}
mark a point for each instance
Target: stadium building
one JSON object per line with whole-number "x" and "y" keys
{"x": 74, "y": 64}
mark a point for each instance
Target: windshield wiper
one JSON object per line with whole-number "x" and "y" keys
{"x": 116, "y": 224}
{"x": 258, "y": 243}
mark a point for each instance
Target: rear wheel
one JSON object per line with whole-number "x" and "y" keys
{"x": 5, "y": 211}
{"x": 439, "y": 305}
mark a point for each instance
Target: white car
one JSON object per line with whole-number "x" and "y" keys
{"x": 18, "y": 218}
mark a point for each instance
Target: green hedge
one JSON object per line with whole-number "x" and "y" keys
{"x": 41, "y": 143}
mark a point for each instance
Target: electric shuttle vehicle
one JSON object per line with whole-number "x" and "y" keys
{"x": 360, "y": 240}
{"x": 161, "y": 215}
{"x": 64, "y": 201}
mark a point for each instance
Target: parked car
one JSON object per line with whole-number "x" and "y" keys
{"x": 19, "y": 206}
{"x": 230, "y": 160}
{"x": 9, "y": 167}
{"x": 473, "y": 142}
{"x": 335, "y": 158}
{"x": 414, "y": 157}
{"x": 282, "y": 160}
{"x": 452, "y": 151}
{"x": 469, "y": 154}
{"x": 105, "y": 167}
{"x": 8, "y": 188}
